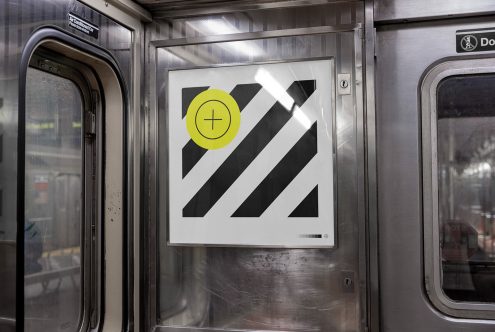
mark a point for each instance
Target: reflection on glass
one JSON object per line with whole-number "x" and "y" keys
{"x": 466, "y": 183}
{"x": 274, "y": 88}
{"x": 53, "y": 202}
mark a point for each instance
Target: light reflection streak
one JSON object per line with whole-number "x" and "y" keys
{"x": 220, "y": 26}
{"x": 274, "y": 88}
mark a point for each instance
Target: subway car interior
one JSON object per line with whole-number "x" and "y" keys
{"x": 148, "y": 148}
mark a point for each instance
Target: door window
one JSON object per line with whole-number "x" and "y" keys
{"x": 53, "y": 229}
{"x": 466, "y": 186}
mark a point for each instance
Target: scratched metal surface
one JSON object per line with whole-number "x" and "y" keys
{"x": 257, "y": 288}
{"x": 18, "y": 20}
{"x": 173, "y": 8}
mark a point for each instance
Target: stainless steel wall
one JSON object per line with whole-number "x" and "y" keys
{"x": 408, "y": 10}
{"x": 162, "y": 9}
{"x": 18, "y": 20}
{"x": 403, "y": 54}
{"x": 252, "y": 288}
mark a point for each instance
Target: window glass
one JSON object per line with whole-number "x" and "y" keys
{"x": 53, "y": 203}
{"x": 466, "y": 186}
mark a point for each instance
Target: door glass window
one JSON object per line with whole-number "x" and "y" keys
{"x": 466, "y": 186}
{"x": 53, "y": 203}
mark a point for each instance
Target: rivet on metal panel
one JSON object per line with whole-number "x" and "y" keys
{"x": 348, "y": 281}
{"x": 344, "y": 84}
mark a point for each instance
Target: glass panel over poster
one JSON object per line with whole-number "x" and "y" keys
{"x": 251, "y": 155}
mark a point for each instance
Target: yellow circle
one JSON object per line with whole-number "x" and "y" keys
{"x": 213, "y": 119}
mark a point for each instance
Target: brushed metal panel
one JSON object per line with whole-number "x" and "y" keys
{"x": 406, "y": 10}
{"x": 334, "y": 15}
{"x": 404, "y": 52}
{"x": 256, "y": 288}
{"x": 161, "y": 9}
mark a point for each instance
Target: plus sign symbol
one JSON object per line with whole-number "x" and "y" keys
{"x": 213, "y": 119}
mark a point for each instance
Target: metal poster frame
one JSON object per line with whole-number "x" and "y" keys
{"x": 333, "y": 77}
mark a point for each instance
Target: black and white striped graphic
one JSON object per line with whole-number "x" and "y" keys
{"x": 276, "y": 171}
{"x": 192, "y": 153}
{"x": 280, "y": 177}
{"x": 261, "y": 135}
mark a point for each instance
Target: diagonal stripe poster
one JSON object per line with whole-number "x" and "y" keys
{"x": 251, "y": 155}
